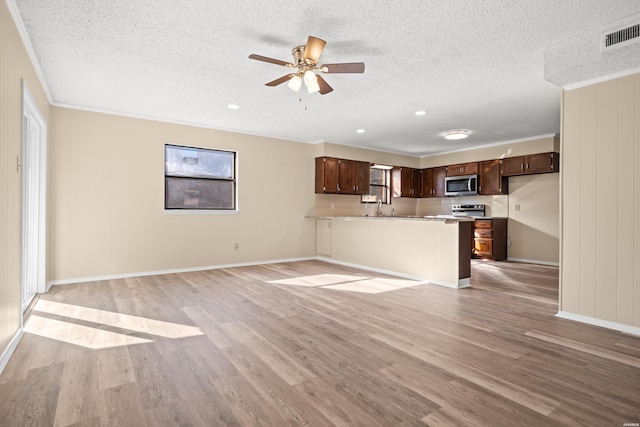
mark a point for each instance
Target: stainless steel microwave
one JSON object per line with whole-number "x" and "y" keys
{"x": 465, "y": 185}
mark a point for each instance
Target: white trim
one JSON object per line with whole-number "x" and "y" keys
{"x": 30, "y": 105}
{"x": 172, "y": 271}
{"x": 601, "y": 79}
{"x": 462, "y": 283}
{"x": 8, "y": 352}
{"x": 26, "y": 41}
{"x": 534, "y": 261}
{"x": 633, "y": 330}
{"x": 201, "y": 211}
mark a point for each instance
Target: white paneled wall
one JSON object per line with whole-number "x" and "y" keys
{"x": 600, "y": 191}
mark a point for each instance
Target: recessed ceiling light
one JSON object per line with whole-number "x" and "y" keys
{"x": 456, "y": 134}
{"x": 360, "y": 131}
{"x": 421, "y": 113}
{"x": 233, "y": 106}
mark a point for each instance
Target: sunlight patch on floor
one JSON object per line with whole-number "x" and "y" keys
{"x": 118, "y": 320}
{"x": 93, "y": 336}
{"x": 84, "y": 336}
{"x": 351, "y": 283}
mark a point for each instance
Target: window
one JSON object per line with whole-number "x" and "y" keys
{"x": 379, "y": 185}
{"x": 198, "y": 178}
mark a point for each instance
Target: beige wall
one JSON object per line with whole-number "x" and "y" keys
{"x": 107, "y": 189}
{"x": 534, "y": 230}
{"x": 14, "y": 66}
{"x": 600, "y": 272}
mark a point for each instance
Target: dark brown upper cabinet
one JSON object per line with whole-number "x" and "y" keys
{"x": 405, "y": 182}
{"x": 341, "y": 176}
{"x": 439, "y": 175}
{"x": 531, "y": 164}
{"x": 492, "y": 183}
{"x": 426, "y": 183}
{"x": 462, "y": 169}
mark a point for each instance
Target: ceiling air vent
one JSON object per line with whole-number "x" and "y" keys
{"x": 623, "y": 36}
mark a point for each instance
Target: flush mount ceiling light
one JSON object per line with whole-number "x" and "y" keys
{"x": 421, "y": 113}
{"x": 233, "y": 106}
{"x": 456, "y": 134}
{"x": 360, "y": 131}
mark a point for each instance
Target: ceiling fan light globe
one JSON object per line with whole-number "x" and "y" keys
{"x": 313, "y": 86}
{"x": 295, "y": 83}
{"x": 309, "y": 77}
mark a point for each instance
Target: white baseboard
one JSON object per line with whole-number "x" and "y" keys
{"x": 6, "y": 354}
{"x": 462, "y": 283}
{"x": 533, "y": 261}
{"x": 632, "y": 330}
{"x": 177, "y": 270}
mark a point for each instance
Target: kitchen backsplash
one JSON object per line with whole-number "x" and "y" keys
{"x": 495, "y": 206}
{"x": 341, "y": 205}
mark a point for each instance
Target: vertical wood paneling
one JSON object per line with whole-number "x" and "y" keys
{"x": 607, "y": 200}
{"x": 602, "y": 163}
{"x": 587, "y": 186}
{"x": 570, "y": 170}
{"x": 626, "y": 217}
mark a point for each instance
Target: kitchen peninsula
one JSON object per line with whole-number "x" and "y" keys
{"x": 433, "y": 249}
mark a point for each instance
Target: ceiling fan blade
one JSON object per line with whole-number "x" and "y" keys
{"x": 346, "y": 67}
{"x": 314, "y": 48}
{"x": 281, "y": 80}
{"x": 324, "y": 86}
{"x": 270, "y": 60}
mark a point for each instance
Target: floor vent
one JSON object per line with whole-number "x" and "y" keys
{"x": 625, "y": 35}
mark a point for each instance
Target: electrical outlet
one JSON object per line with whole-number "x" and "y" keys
{"x": 517, "y": 207}
{"x": 333, "y": 206}
{"x": 236, "y": 246}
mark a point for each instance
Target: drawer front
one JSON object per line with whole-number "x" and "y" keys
{"x": 483, "y": 247}
{"x": 483, "y": 223}
{"x": 483, "y": 233}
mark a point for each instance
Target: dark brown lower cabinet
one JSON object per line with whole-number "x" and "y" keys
{"x": 490, "y": 239}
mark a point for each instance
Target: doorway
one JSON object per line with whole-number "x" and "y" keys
{"x": 34, "y": 155}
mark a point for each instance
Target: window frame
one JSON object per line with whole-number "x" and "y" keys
{"x": 195, "y": 210}
{"x": 387, "y": 173}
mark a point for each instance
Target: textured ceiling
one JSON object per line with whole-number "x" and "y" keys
{"x": 477, "y": 65}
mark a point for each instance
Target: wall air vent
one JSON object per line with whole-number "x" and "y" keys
{"x": 622, "y": 36}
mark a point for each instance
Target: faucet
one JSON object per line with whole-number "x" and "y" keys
{"x": 380, "y": 207}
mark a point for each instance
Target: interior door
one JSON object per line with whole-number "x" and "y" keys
{"x": 33, "y": 199}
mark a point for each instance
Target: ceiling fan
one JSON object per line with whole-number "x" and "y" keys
{"x": 305, "y": 59}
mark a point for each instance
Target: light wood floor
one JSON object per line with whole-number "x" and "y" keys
{"x": 310, "y": 343}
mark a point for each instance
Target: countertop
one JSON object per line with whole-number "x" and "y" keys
{"x": 399, "y": 217}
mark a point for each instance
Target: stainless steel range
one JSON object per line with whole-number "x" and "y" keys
{"x": 468, "y": 210}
